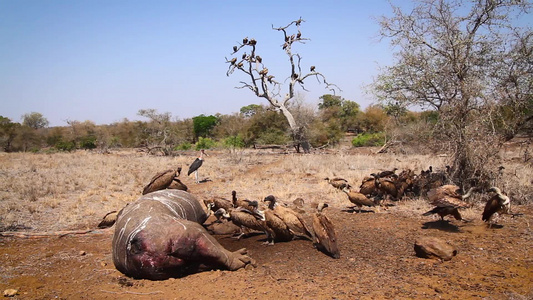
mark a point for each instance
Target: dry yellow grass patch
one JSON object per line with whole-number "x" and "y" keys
{"x": 74, "y": 190}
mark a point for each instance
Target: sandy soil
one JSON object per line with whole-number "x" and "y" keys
{"x": 377, "y": 262}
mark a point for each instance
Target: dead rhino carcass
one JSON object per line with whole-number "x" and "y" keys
{"x": 159, "y": 236}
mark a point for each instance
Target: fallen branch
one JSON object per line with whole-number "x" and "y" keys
{"x": 133, "y": 293}
{"x": 61, "y": 233}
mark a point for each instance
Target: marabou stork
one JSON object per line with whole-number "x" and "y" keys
{"x": 196, "y": 164}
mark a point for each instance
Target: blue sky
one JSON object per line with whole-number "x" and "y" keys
{"x": 104, "y": 60}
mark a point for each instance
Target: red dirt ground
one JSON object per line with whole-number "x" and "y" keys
{"x": 377, "y": 262}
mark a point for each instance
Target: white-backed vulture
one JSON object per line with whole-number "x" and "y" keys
{"x": 368, "y": 186}
{"x": 325, "y": 238}
{"x": 447, "y": 200}
{"x": 247, "y": 220}
{"x": 499, "y": 203}
{"x": 338, "y": 183}
{"x": 387, "y": 173}
{"x": 358, "y": 199}
{"x": 162, "y": 180}
{"x": 292, "y": 219}
{"x": 387, "y": 187}
{"x": 244, "y": 203}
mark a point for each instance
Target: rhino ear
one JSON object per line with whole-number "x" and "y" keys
{"x": 108, "y": 220}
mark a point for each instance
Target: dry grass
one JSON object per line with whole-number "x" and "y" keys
{"x": 74, "y": 190}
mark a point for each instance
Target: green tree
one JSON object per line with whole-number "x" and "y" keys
{"x": 34, "y": 120}
{"x": 250, "y": 110}
{"x": 8, "y": 133}
{"x": 202, "y": 125}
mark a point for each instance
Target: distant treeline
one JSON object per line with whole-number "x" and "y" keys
{"x": 253, "y": 125}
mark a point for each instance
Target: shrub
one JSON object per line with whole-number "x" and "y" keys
{"x": 65, "y": 146}
{"x": 273, "y": 136}
{"x": 204, "y": 143}
{"x": 235, "y": 141}
{"x": 183, "y": 146}
{"x": 369, "y": 139}
{"x": 88, "y": 142}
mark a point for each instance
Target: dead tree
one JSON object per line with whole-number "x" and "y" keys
{"x": 263, "y": 84}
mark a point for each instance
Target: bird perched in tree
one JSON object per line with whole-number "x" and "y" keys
{"x": 312, "y": 69}
{"x": 245, "y": 41}
{"x": 196, "y": 164}
{"x": 235, "y": 48}
{"x": 258, "y": 58}
{"x": 499, "y": 203}
{"x": 165, "y": 180}
{"x": 448, "y": 200}
{"x": 325, "y": 238}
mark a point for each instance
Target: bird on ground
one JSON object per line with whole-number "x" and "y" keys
{"x": 499, "y": 203}
{"x": 247, "y": 220}
{"x": 196, "y": 164}
{"x": 368, "y": 186}
{"x": 387, "y": 173}
{"x": 358, "y": 199}
{"x": 164, "y": 180}
{"x": 244, "y": 203}
{"x": 387, "y": 187}
{"x": 324, "y": 238}
{"x": 216, "y": 203}
{"x": 294, "y": 221}
{"x": 447, "y": 200}
{"x": 338, "y": 182}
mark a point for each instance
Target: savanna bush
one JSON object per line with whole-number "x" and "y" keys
{"x": 369, "y": 139}
{"x": 233, "y": 142}
{"x": 204, "y": 143}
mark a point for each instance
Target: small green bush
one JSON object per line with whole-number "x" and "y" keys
{"x": 233, "y": 142}
{"x": 184, "y": 146}
{"x": 204, "y": 143}
{"x": 65, "y": 146}
{"x": 88, "y": 142}
{"x": 273, "y": 136}
{"x": 369, "y": 139}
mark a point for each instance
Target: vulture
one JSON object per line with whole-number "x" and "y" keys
{"x": 499, "y": 203}
{"x": 217, "y": 203}
{"x": 164, "y": 180}
{"x": 196, "y": 164}
{"x": 447, "y": 200}
{"x": 368, "y": 186}
{"x": 293, "y": 220}
{"x": 387, "y": 173}
{"x": 244, "y": 203}
{"x": 386, "y": 186}
{"x": 247, "y": 220}
{"x": 108, "y": 220}
{"x": 358, "y": 199}
{"x": 324, "y": 237}
{"x": 338, "y": 183}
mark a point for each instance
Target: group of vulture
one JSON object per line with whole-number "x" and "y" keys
{"x": 380, "y": 187}
{"x": 281, "y": 223}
